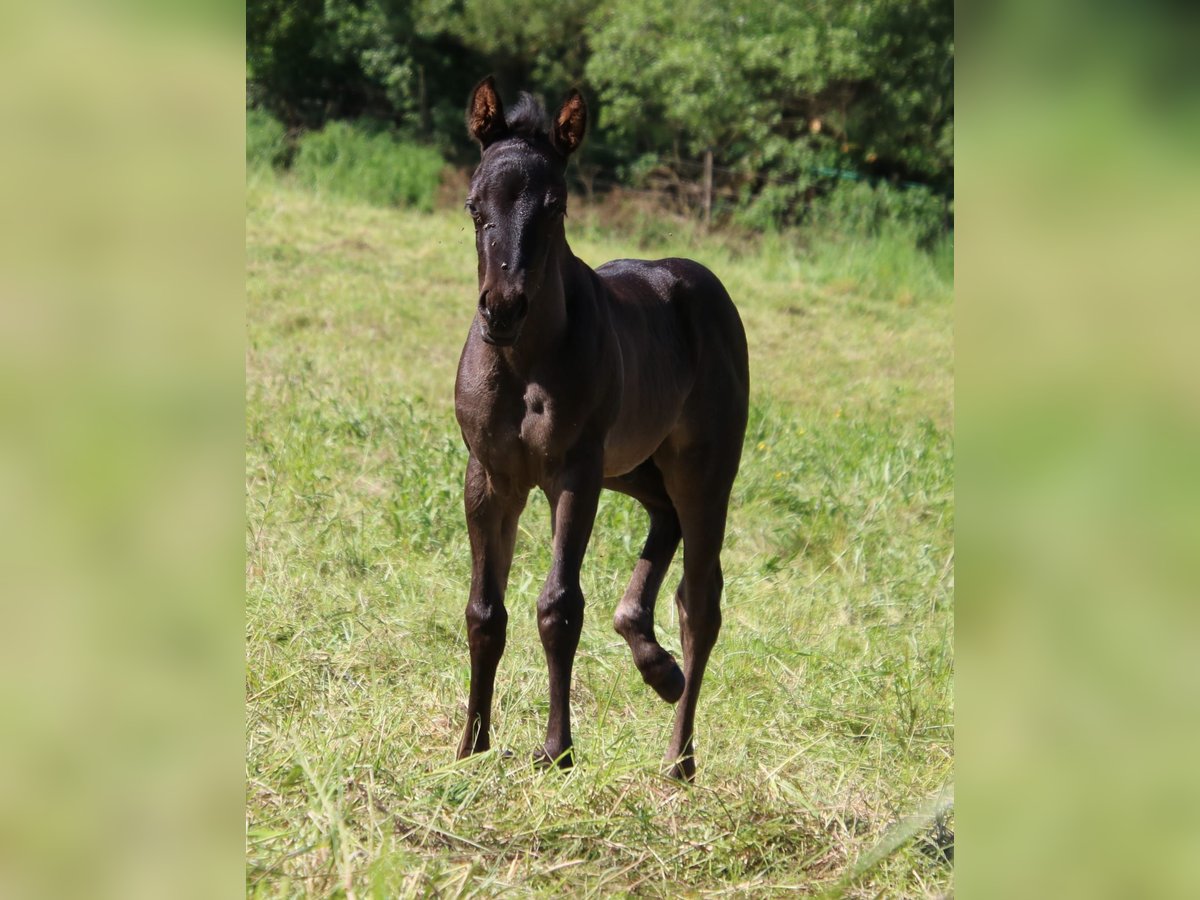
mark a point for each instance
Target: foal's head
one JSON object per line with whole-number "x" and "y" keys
{"x": 518, "y": 198}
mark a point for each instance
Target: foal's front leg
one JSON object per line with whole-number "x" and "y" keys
{"x": 492, "y": 526}
{"x": 573, "y": 499}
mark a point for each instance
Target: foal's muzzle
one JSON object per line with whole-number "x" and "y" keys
{"x": 501, "y": 318}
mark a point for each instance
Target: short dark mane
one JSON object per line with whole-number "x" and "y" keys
{"x": 528, "y": 117}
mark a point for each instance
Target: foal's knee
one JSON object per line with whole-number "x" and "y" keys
{"x": 560, "y": 615}
{"x": 486, "y": 626}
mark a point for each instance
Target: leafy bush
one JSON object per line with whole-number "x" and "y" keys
{"x": 771, "y": 208}
{"x": 800, "y": 88}
{"x": 862, "y": 209}
{"x": 315, "y": 60}
{"x": 266, "y": 142}
{"x": 848, "y": 209}
{"x": 354, "y": 162}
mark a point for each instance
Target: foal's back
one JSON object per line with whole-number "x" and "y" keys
{"x": 675, "y": 301}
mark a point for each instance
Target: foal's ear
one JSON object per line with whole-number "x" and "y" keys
{"x": 485, "y": 114}
{"x": 569, "y": 125}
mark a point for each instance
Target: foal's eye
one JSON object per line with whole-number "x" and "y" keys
{"x": 472, "y": 209}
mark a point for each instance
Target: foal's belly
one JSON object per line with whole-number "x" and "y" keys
{"x": 625, "y": 452}
{"x": 639, "y": 430}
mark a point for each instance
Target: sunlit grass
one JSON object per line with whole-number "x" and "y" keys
{"x": 827, "y": 715}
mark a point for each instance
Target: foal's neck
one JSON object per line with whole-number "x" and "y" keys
{"x": 549, "y": 309}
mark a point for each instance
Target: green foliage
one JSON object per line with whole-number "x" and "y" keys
{"x": 266, "y": 142}
{"x": 903, "y": 116}
{"x": 369, "y": 166}
{"x": 721, "y": 74}
{"x": 771, "y": 207}
{"x": 525, "y": 43}
{"x": 785, "y": 95}
{"x": 311, "y": 60}
{"x": 858, "y": 208}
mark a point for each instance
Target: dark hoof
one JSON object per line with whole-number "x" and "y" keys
{"x": 667, "y": 681}
{"x": 682, "y": 770}
{"x": 565, "y": 760}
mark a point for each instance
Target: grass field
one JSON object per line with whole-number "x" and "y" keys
{"x": 825, "y": 731}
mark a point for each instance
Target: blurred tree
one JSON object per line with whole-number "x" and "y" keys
{"x": 309, "y": 61}
{"x": 791, "y": 99}
{"x": 527, "y": 44}
{"x": 791, "y": 95}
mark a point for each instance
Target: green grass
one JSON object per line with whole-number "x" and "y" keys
{"x": 266, "y": 142}
{"x": 348, "y": 161}
{"x": 827, "y": 714}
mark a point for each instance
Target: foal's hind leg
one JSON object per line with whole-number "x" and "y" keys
{"x": 702, "y": 504}
{"x": 634, "y": 618}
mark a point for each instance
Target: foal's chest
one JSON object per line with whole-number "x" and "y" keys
{"x": 515, "y": 430}
{"x": 540, "y": 428}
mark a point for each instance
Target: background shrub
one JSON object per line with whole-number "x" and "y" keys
{"x": 868, "y": 210}
{"x": 802, "y": 90}
{"x": 369, "y": 165}
{"x": 266, "y": 142}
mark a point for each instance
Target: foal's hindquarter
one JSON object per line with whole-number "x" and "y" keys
{"x": 645, "y": 393}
